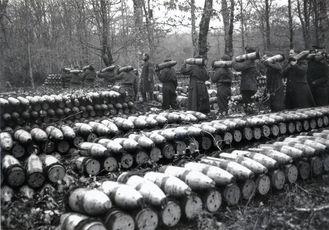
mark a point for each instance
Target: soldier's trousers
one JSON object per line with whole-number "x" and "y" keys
{"x": 223, "y": 96}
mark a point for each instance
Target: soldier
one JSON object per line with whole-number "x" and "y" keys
{"x": 66, "y": 77}
{"x": 128, "y": 81}
{"x": 108, "y": 74}
{"x": 147, "y": 79}
{"x": 167, "y": 77}
{"x": 318, "y": 78}
{"x": 198, "y": 97}
{"x": 223, "y": 79}
{"x": 298, "y": 93}
{"x": 274, "y": 85}
{"x": 76, "y": 78}
{"x": 89, "y": 76}
{"x": 249, "y": 74}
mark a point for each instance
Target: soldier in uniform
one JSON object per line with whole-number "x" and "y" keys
{"x": 167, "y": 77}
{"x": 198, "y": 97}
{"x": 274, "y": 85}
{"x": 66, "y": 77}
{"x": 89, "y": 76}
{"x": 108, "y": 74}
{"x": 298, "y": 93}
{"x": 318, "y": 78}
{"x": 147, "y": 79}
{"x": 223, "y": 79}
{"x": 128, "y": 81}
{"x": 249, "y": 74}
{"x": 76, "y": 77}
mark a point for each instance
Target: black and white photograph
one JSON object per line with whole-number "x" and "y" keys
{"x": 164, "y": 114}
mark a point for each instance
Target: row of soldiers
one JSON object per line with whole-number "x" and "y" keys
{"x": 126, "y": 77}
{"x": 300, "y": 81}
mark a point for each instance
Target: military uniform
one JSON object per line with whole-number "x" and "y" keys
{"x": 168, "y": 79}
{"x": 298, "y": 93}
{"x": 318, "y": 80}
{"x": 89, "y": 77}
{"x": 274, "y": 86}
{"x": 223, "y": 79}
{"x": 147, "y": 81}
{"x": 198, "y": 98}
{"x": 248, "y": 86}
{"x": 75, "y": 80}
{"x": 128, "y": 81}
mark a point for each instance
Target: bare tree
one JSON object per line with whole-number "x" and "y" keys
{"x": 148, "y": 13}
{"x": 323, "y": 6}
{"x": 291, "y": 29}
{"x": 267, "y": 27}
{"x": 228, "y": 19}
{"x": 204, "y": 27}
{"x": 242, "y": 24}
{"x": 304, "y": 15}
{"x": 193, "y": 29}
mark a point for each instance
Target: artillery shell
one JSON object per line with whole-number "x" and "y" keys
{"x": 14, "y": 173}
{"x": 34, "y": 171}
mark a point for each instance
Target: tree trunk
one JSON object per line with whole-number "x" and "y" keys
{"x": 228, "y": 19}
{"x": 267, "y": 25}
{"x": 193, "y": 31}
{"x": 30, "y": 64}
{"x": 304, "y": 18}
{"x": 323, "y": 23}
{"x": 242, "y": 25}
{"x": 262, "y": 31}
{"x": 316, "y": 21}
{"x": 106, "y": 50}
{"x": 204, "y": 27}
{"x": 149, "y": 29}
{"x": 291, "y": 30}
{"x": 138, "y": 21}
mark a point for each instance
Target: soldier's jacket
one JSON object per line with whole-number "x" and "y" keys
{"x": 147, "y": 77}
{"x": 128, "y": 79}
{"x": 249, "y": 74}
{"x": 298, "y": 93}
{"x": 198, "y": 97}
{"x": 76, "y": 78}
{"x": 318, "y": 73}
{"x": 273, "y": 77}
{"x": 168, "y": 79}
{"x": 222, "y": 76}
{"x": 107, "y": 76}
{"x": 89, "y": 75}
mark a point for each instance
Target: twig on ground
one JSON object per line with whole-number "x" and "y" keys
{"x": 316, "y": 209}
{"x": 309, "y": 193}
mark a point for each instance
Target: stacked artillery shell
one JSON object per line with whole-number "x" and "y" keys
{"x": 54, "y": 170}
{"x": 254, "y": 169}
{"x": 35, "y": 109}
{"x": 198, "y": 182}
{"x": 34, "y": 171}
{"x": 92, "y": 202}
{"x": 190, "y": 203}
{"x": 13, "y": 172}
{"x": 169, "y": 211}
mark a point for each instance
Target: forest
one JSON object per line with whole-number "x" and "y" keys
{"x": 40, "y": 37}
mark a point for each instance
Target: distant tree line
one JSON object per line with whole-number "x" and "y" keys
{"x": 41, "y": 37}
